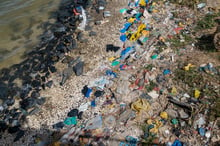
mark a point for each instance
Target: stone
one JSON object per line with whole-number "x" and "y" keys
{"x": 19, "y": 135}
{"x": 80, "y": 115}
{"x": 73, "y": 113}
{"x": 10, "y": 101}
{"x": 49, "y": 84}
{"x": 92, "y": 33}
{"x": 52, "y": 69}
{"x": 78, "y": 68}
{"x": 28, "y": 103}
{"x": 41, "y": 100}
{"x": 35, "y": 94}
{"x": 3, "y": 126}
{"x": 67, "y": 72}
{"x": 4, "y": 92}
{"x": 58, "y": 125}
{"x": 13, "y": 129}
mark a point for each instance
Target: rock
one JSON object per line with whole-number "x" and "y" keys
{"x": 41, "y": 100}
{"x": 36, "y": 83}
{"x": 19, "y": 135}
{"x": 67, "y": 72}
{"x": 78, "y": 68}
{"x": 52, "y": 69}
{"x": 79, "y": 36}
{"x": 13, "y": 129}
{"x": 73, "y": 113}
{"x": 58, "y": 125}
{"x": 80, "y": 115}
{"x": 10, "y": 101}
{"x": 61, "y": 48}
{"x": 73, "y": 44}
{"x": 28, "y": 103}
{"x": 49, "y": 84}
{"x": 92, "y": 33}
{"x": 3, "y": 126}
{"x": 99, "y": 93}
{"x": 34, "y": 111}
{"x": 4, "y": 92}
{"x": 35, "y": 94}
{"x": 14, "y": 122}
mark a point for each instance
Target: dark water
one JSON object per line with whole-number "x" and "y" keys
{"x": 20, "y": 25}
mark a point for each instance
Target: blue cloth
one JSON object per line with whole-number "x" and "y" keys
{"x": 131, "y": 140}
{"x": 126, "y": 27}
{"x": 177, "y": 143}
{"x": 121, "y": 67}
{"x": 202, "y": 131}
{"x": 126, "y": 52}
{"x": 110, "y": 73}
{"x": 137, "y": 3}
{"x": 93, "y": 104}
{"x": 138, "y": 15}
{"x": 89, "y": 91}
{"x": 166, "y": 72}
{"x": 123, "y": 38}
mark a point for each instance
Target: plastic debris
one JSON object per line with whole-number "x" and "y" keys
{"x": 177, "y": 143}
{"x": 111, "y": 73}
{"x": 202, "y": 131}
{"x": 109, "y": 121}
{"x": 115, "y": 63}
{"x": 174, "y": 91}
{"x": 164, "y": 115}
{"x": 208, "y": 134}
{"x": 88, "y": 93}
{"x": 140, "y": 105}
{"x": 126, "y": 52}
{"x": 201, "y": 5}
{"x": 99, "y": 83}
{"x": 131, "y": 140}
{"x": 94, "y": 123}
{"x": 187, "y": 68}
{"x": 166, "y": 72}
{"x": 70, "y": 121}
{"x": 197, "y": 93}
{"x": 174, "y": 121}
{"x": 154, "y": 56}
{"x": 153, "y": 94}
{"x": 84, "y": 107}
{"x": 82, "y": 25}
{"x": 93, "y": 103}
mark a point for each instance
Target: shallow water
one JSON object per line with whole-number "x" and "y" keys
{"x": 21, "y": 22}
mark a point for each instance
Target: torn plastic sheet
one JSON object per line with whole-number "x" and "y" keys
{"x": 82, "y": 25}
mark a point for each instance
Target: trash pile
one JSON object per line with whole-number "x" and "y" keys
{"x": 136, "y": 87}
{"x": 138, "y": 98}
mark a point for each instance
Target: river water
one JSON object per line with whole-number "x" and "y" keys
{"x": 21, "y": 24}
